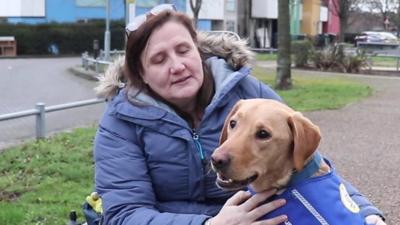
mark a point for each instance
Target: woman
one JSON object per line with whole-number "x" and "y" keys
{"x": 158, "y": 132}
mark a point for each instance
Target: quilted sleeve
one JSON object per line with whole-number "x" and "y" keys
{"x": 366, "y": 208}
{"x": 123, "y": 182}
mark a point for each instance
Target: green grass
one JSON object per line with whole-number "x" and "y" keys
{"x": 266, "y": 56}
{"x": 384, "y": 61}
{"x": 317, "y": 92}
{"x": 40, "y": 182}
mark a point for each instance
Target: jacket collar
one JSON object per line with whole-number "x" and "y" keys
{"x": 310, "y": 169}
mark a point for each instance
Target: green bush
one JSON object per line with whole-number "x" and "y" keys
{"x": 354, "y": 63}
{"x": 69, "y": 38}
{"x": 326, "y": 58}
{"x": 301, "y": 52}
{"x": 336, "y": 58}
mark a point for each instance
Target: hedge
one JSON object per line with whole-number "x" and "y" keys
{"x": 68, "y": 38}
{"x": 301, "y": 52}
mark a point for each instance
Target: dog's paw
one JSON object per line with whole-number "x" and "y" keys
{"x": 374, "y": 220}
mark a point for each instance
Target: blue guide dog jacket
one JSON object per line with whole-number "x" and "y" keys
{"x": 317, "y": 200}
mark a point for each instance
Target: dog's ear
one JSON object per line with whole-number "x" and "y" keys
{"x": 306, "y": 137}
{"x": 224, "y": 133}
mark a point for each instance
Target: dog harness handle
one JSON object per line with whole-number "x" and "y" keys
{"x": 309, "y": 169}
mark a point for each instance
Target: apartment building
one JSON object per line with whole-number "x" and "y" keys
{"x": 253, "y": 19}
{"x": 60, "y": 11}
{"x": 307, "y": 18}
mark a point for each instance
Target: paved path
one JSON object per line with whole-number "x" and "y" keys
{"x": 24, "y": 82}
{"x": 363, "y": 141}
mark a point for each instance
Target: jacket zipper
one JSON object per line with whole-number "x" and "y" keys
{"x": 309, "y": 207}
{"x": 200, "y": 150}
{"x": 198, "y": 146}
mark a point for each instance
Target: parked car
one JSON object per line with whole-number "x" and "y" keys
{"x": 376, "y": 37}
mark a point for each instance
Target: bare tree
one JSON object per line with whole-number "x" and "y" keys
{"x": 283, "y": 77}
{"x": 342, "y": 9}
{"x": 389, "y": 10}
{"x": 195, "y": 6}
{"x": 382, "y": 6}
{"x": 396, "y": 18}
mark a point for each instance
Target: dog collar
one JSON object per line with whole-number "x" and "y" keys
{"x": 309, "y": 169}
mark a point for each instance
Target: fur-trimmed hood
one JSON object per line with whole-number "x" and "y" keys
{"x": 234, "y": 51}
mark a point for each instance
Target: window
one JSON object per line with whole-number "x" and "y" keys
{"x": 90, "y": 3}
{"x": 147, "y": 3}
{"x": 230, "y": 5}
{"x": 230, "y": 25}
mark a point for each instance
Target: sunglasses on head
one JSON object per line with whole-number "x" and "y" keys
{"x": 139, "y": 20}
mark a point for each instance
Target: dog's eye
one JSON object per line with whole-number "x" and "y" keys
{"x": 232, "y": 123}
{"x": 263, "y": 134}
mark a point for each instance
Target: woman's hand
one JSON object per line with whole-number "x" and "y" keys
{"x": 244, "y": 209}
{"x": 374, "y": 219}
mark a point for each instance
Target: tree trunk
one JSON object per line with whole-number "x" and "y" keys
{"x": 283, "y": 77}
{"x": 344, "y": 6}
{"x": 195, "y": 9}
{"x": 343, "y": 28}
{"x": 397, "y": 19}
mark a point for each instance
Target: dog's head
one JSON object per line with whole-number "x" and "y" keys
{"x": 262, "y": 141}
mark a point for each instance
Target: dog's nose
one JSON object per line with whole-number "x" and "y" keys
{"x": 220, "y": 164}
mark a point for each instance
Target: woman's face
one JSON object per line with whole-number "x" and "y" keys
{"x": 172, "y": 65}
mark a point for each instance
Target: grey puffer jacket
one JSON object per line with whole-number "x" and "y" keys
{"x": 151, "y": 167}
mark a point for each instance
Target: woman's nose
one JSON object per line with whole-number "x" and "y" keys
{"x": 177, "y": 66}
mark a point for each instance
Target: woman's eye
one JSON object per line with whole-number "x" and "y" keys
{"x": 263, "y": 134}
{"x": 232, "y": 123}
{"x": 183, "y": 49}
{"x": 158, "y": 59}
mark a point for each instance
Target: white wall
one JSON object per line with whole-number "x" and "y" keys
{"x": 323, "y": 14}
{"x": 264, "y": 9}
{"x": 210, "y": 9}
{"x": 22, "y": 8}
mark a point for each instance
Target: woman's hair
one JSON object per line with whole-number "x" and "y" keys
{"x": 137, "y": 41}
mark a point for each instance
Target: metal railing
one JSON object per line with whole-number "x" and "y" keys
{"x": 265, "y": 50}
{"x": 390, "y": 50}
{"x": 98, "y": 65}
{"x": 378, "y": 45}
{"x": 223, "y": 32}
{"x": 41, "y": 110}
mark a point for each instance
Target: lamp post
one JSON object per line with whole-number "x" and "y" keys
{"x": 130, "y": 12}
{"x": 107, "y": 35}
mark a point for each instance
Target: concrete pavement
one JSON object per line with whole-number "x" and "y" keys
{"x": 26, "y": 81}
{"x": 363, "y": 141}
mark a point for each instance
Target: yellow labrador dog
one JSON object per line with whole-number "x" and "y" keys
{"x": 267, "y": 145}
